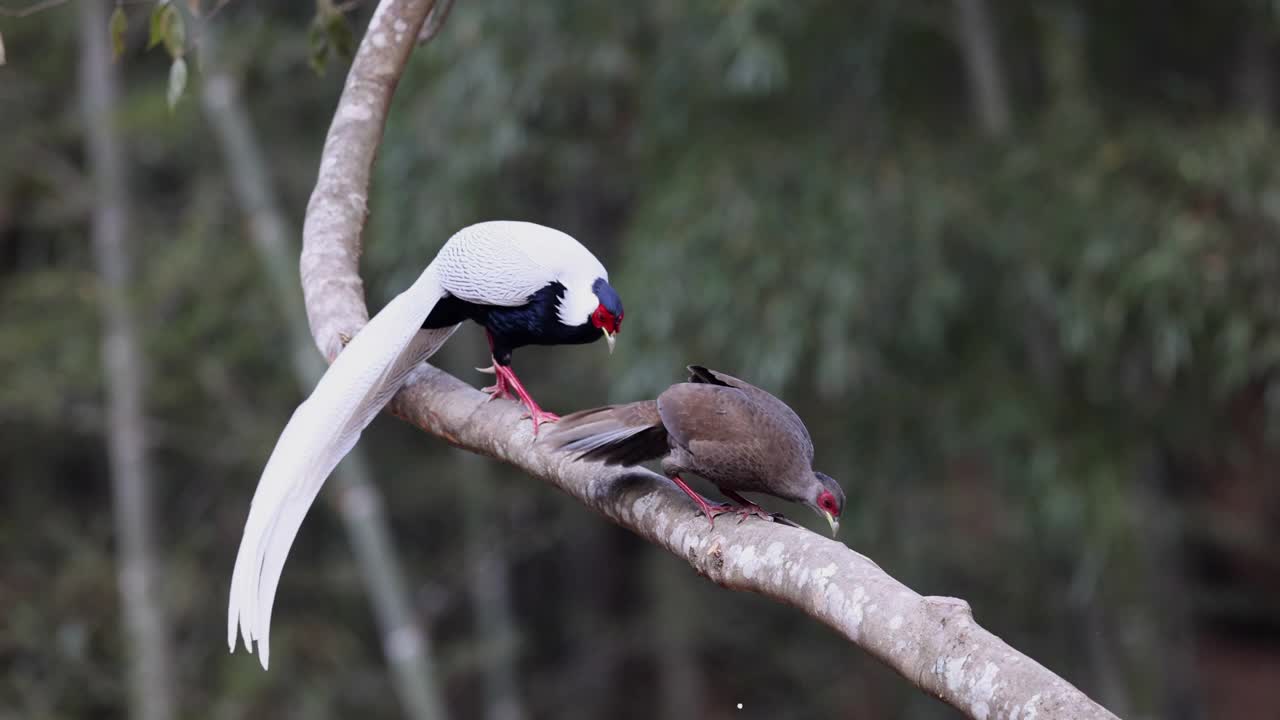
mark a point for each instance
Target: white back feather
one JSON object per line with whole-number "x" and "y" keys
{"x": 503, "y": 262}
{"x": 494, "y": 263}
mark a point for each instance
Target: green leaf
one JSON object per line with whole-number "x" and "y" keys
{"x": 158, "y": 14}
{"x": 177, "y": 82}
{"x": 341, "y": 37}
{"x": 118, "y": 26}
{"x": 175, "y": 34}
{"x": 317, "y": 45}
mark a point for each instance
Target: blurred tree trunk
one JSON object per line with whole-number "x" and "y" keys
{"x": 592, "y": 622}
{"x": 988, "y": 91}
{"x": 145, "y": 626}
{"x": 490, "y": 589}
{"x": 674, "y": 637}
{"x": 1091, "y": 626}
{"x": 1228, "y": 543}
{"x": 1065, "y": 60}
{"x": 1255, "y": 77}
{"x": 1167, "y": 583}
{"x": 359, "y": 503}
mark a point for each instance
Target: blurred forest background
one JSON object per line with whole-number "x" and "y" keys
{"x": 1016, "y": 264}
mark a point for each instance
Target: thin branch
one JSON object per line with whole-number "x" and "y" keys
{"x": 217, "y": 8}
{"x": 31, "y": 9}
{"x": 933, "y": 642}
{"x": 435, "y": 21}
{"x": 50, "y": 4}
{"x": 978, "y": 42}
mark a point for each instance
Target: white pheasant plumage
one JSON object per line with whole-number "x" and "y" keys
{"x": 526, "y": 283}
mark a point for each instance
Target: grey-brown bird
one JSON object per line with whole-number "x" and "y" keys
{"x": 730, "y": 432}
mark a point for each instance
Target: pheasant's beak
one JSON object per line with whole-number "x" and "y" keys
{"x": 833, "y": 522}
{"x": 609, "y": 338}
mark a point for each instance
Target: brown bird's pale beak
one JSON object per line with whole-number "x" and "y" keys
{"x": 833, "y": 522}
{"x": 609, "y": 338}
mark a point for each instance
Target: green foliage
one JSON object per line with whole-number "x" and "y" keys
{"x": 118, "y": 26}
{"x": 330, "y": 31}
{"x": 167, "y": 27}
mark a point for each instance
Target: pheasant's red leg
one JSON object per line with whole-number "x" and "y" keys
{"x": 508, "y": 377}
{"x": 498, "y": 389}
{"x": 708, "y": 509}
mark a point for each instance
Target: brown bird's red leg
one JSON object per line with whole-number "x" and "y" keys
{"x": 508, "y": 380}
{"x": 708, "y": 509}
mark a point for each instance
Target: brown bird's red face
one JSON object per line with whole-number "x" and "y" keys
{"x": 830, "y": 501}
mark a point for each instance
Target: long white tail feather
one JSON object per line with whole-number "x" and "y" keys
{"x": 321, "y": 432}
{"x": 285, "y": 529}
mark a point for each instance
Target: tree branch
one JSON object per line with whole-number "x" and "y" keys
{"x": 336, "y": 211}
{"x": 931, "y": 641}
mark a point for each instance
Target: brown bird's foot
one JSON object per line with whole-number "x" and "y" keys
{"x": 744, "y": 508}
{"x": 743, "y": 512}
{"x": 508, "y": 380}
{"x": 704, "y": 507}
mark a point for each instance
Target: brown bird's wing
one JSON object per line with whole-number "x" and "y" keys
{"x": 616, "y": 434}
{"x": 701, "y": 375}
{"x": 730, "y": 437}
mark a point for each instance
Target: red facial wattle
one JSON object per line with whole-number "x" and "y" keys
{"x": 830, "y": 508}
{"x": 605, "y": 320}
{"x": 827, "y": 502}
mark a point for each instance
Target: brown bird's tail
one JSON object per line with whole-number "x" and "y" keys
{"x": 616, "y": 434}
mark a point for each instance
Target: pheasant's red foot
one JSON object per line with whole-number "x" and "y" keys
{"x": 539, "y": 416}
{"x": 508, "y": 383}
{"x": 498, "y": 390}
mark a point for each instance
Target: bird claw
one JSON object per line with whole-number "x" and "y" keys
{"x": 539, "y": 416}
{"x": 507, "y": 385}
{"x": 496, "y": 392}
{"x": 500, "y": 389}
{"x": 742, "y": 511}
